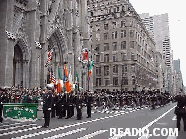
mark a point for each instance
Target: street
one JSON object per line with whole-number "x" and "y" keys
{"x": 97, "y": 127}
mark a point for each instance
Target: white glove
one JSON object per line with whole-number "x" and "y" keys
{"x": 54, "y": 104}
{"x": 49, "y": 109}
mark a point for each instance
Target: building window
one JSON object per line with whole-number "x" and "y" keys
{"x": 97, "y": 48}
{"x": 122, "y": 24}
{"x": 132, "y": 44}
{"x": 114, "y": 25}
{"x": 97, "y": 36}
{"x": 124, "y": 56}
{"x": 106, "y": 70}
{"x": 98, "y": 70}
{"x": 106, "y": 36}
{"x": 131, "y": 33}
{"x": 106, "y": 46}
{"x": 133, "y": 81}
{"x": 98, "y": 81}
{"x": 107, "y": 81}
{"x": 97, "y": 58}
{"x": 123, "y": 33}
{"x": 106, "y": 26}
{"x": 115, "y": 80}
{"x": 133, "y": 68}
{"x": 132, "y": 56}
{"x": 114, "y": 46}
{"x": 123, "y": 45}
{"x": 114, "y": 35}
{"x": 106, "y": 58}
{"x": 124, "y": 68}
{"x": 125, "y": 80}
{"x": 114, "y": 58}
{"x": 115, "y": 69}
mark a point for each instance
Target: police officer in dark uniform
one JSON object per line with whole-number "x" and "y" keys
{"x": 54, "y": 101}
{"x": 59, "y": 106}
{"x": 181, "y": 103}
{"x": 78, "y": 102}
{"x": 89, "y": 101}
{"x": 47, "y": 104}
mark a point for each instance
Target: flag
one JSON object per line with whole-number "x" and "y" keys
{"x": 65, "y": 70}
{"x": 49, "y": 57}
{"x": 90, "y": 68}
{"x": 70, "y": 76}
{"x": 59, "y": 81}
{"x": 85, "y": 55}
{"x": 52, "y": 77}
{"x": 67, "y": 86}
{"x": 77, "y": 77}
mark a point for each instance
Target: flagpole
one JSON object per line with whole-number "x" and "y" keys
{"x": 88, "y": 72}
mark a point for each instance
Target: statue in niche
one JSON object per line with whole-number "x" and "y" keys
{"x": 50, "y": 2}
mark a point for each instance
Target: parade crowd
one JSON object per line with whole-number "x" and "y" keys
{"x": 63, "y": 104}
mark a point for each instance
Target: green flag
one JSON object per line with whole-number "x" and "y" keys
{"x": 77, "y": 77}
{"x": 59, "y": 74}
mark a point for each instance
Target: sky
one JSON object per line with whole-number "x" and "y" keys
{"x": 177, "y": 24}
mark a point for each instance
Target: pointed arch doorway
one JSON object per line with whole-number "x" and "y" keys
{"x": 17, "y": 66}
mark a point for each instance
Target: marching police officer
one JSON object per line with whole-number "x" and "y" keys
{"x": 78, "y": 101}
{"x": 47, "y": 104}
{"x": 54, "y": 101}
{"x": 89, "y": 101}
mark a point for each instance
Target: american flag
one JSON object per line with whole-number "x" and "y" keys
{"x": 52, "y": 77}
{"x": 49, "y": 57}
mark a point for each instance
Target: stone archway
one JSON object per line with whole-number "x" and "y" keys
{"x": 21, "y": 60}
{"x": 56, "y": 41}
{"x": 18, "y": 66}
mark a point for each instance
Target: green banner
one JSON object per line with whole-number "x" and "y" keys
{"x": 22, "y": 111}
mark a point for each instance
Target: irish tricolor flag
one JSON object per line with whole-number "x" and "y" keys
{"x": 90, "y": 68}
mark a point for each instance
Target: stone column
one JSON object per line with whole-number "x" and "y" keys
{"x": 85, "y": 36}
{"x": 6, "y": 43}
{"x": 33, "y": 67}
{"x": 44, "y": 45}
